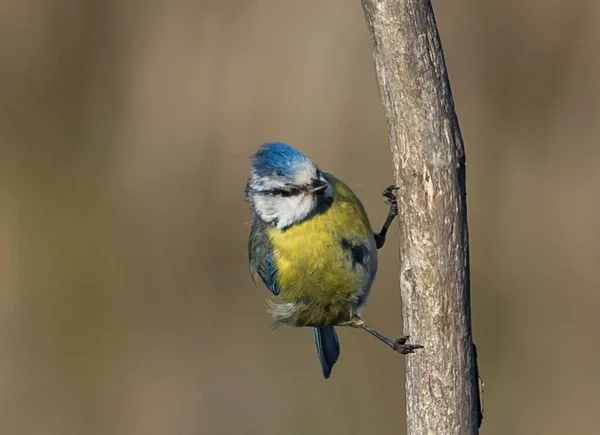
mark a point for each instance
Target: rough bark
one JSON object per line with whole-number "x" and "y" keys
{"x": 442, "y": 394}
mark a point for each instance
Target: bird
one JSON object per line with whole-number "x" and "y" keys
{"x": 312, "y": 245}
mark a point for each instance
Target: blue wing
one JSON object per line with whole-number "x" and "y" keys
{"x": 260, "y": 255}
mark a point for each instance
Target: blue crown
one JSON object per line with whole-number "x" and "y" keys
{"x": 279, "y": 158}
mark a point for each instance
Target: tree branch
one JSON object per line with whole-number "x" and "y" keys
{"x": 442, "y": 395}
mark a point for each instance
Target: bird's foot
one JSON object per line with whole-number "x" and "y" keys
{"x": 400, "y": 346}
{"x": 390, "y": 198}
{"x": 392, "y": 201}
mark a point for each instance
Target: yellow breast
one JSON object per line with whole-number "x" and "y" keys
{"x": 311, "y": 263}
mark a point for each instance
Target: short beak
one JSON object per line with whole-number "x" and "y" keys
{"x": 318, "y": 186}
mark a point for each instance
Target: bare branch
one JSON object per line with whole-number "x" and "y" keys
{"x": 429, "y": 163}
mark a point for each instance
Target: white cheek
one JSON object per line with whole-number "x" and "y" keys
{"x": 299, "y": 208}
{"x": 266, "y": 208}
{"x": 286, "y": 211}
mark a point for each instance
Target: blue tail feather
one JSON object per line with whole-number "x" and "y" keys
{"x": 328, "y": 348}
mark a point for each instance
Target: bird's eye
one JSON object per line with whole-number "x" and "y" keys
{"x": 286, "y": 193}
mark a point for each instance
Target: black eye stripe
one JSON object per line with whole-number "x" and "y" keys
{"x": 281, "y": 192}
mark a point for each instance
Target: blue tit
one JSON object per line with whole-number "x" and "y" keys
{"x": 312, "y": 245}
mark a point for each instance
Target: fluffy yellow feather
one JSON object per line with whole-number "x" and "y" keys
{"x": 325, "y": 298}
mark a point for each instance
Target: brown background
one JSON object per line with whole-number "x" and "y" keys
{"x": 126, "y": 128}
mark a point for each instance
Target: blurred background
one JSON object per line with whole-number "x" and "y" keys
{"x": 126, "y": 127}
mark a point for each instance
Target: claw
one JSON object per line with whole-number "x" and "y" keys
{"x": 400, "y": 346}
{"x": 389, "y": 191}
{"x": 390, "y": 197}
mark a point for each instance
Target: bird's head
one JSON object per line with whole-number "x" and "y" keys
{"x": 285, "y": 186}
